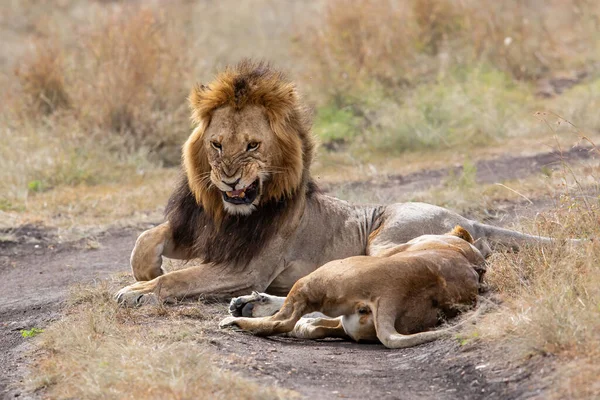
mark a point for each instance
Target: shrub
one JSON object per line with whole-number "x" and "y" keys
{"x": 42, "y": 77}
{"x": 335, "y": 125}
{"x": 133, "y": 70}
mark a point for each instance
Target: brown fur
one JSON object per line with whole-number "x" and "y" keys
{"x": 251, "y": 84}
{"x": 394, "y": 299}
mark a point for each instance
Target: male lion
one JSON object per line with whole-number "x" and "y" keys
{"x": 248, "y": 210}
{"x": 392, "y": 298}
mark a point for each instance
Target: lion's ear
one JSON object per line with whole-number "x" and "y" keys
{"x": 196, "y": 99}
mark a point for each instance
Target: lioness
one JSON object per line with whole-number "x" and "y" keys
{"x": 393, "y": 297}
{"x": 247, "y": 209}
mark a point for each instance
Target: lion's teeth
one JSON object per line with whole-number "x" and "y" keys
{"x": 233, "y": 194}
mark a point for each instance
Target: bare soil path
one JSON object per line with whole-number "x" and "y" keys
{"x": 487, "y": 171}
{"x": 36, "y": 273}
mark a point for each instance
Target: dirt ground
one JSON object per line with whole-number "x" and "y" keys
{"x": 36, "y": 273}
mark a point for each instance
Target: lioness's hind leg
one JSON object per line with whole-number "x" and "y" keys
{"x": 284, "y": 321}
{"x": 319, "y": 328}
{"x": 255, "y": 305}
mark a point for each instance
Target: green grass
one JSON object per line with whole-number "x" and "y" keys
{"x": 467, "y": 108}
{"x": 27, "y": 333}
{"x": 579, "y": 105}
{"x": 334, "y": 124}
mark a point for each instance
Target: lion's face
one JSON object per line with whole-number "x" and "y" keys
{"x": 240, "y": 151}
{"x": 252, "y": 143}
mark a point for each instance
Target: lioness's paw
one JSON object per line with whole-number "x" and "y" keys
{"x": 229, "y": 322}
{"x": 138, "y": 294}
{"x": 255, "y": 305}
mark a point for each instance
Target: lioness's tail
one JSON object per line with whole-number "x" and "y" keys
{"x": 384, "y": 320}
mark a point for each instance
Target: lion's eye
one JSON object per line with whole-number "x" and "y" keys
{"x": 216, "y": 145}
{"x": 252, "y": 146}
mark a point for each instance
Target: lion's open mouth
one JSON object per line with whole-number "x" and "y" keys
{"x": 242, "y": 196}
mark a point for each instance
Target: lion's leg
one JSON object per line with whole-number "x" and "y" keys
{"x": 255, "y": 305}
{"x": 149, "y": 249}
{"x": 319, "y": 328}
{"x": 194, "y": 281}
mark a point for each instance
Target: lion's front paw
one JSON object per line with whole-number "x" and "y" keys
{"x": 229, "y": 322}
{"x": 255, "y": 305}
{"x": 138, "y": 294}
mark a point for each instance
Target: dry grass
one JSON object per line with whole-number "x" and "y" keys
{"x": 99, "y": 350}
{"x": 44, "y": 154}
{"x": 551, "y": 298}
{"x": 398, "y": 42}
{"x": 42, "y": 78}
{"x": 134, "y": 70}
{"x": 122, "y": 75}
{"x": 137, "y": 199}
{"x": 551, "y": 295}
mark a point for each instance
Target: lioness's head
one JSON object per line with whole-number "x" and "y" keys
{"x": 252, "y": 142}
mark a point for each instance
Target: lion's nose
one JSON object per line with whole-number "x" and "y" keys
{"x": 231, "y": 184}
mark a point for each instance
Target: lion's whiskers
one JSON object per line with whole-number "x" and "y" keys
{"x": 203, "y": 181}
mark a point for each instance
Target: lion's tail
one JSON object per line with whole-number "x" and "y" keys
{"x": 513, "y": 239}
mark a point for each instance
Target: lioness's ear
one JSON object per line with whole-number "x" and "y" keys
{"x": 461, "y": 233}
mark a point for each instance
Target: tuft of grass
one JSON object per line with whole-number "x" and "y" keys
{"x": 134, "y": 81}
{"x": 27, "y": 333}
{"x": 42, "y": 77}
{"x": 578, "y": 105}
{"x": 36, "y": 186}
{"x": 465, "y": 179}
